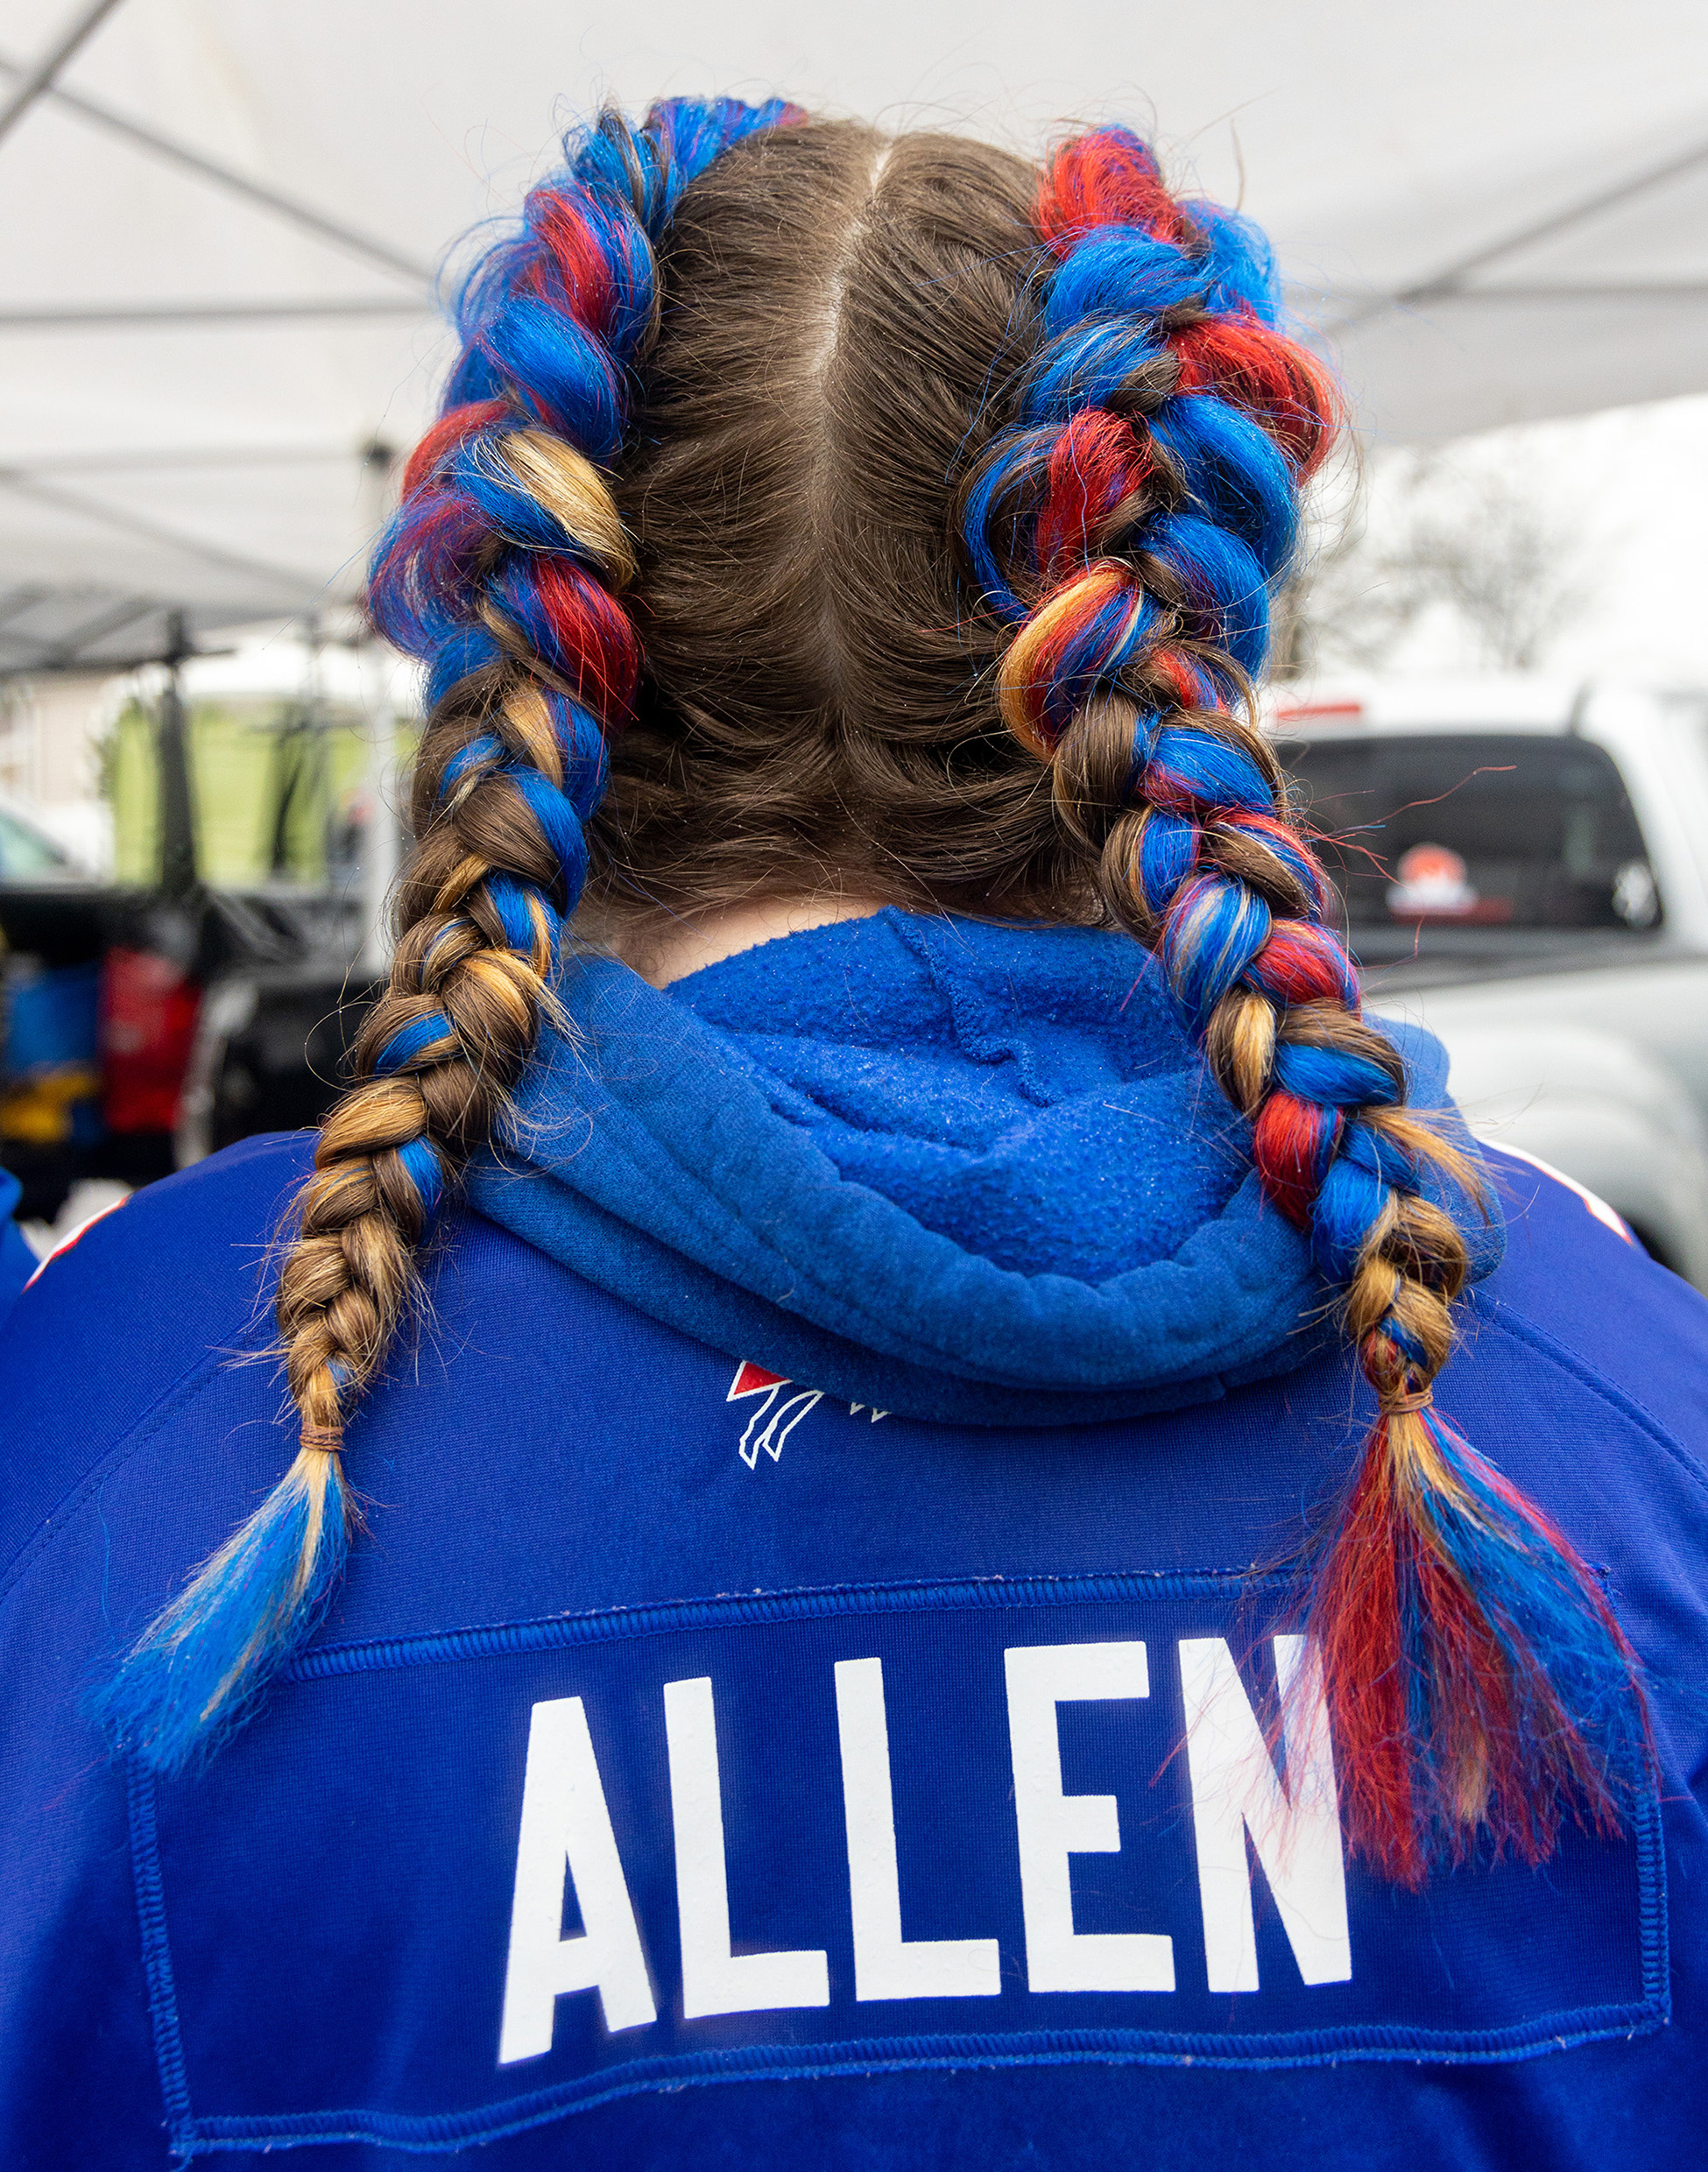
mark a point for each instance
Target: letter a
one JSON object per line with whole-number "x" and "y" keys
{"x": 566, "y": 1827}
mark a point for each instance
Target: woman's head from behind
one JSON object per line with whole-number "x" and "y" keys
{"x": 811, "y": 509}
{"x": 883, "y": 515}
{"x": 842, "y": 316}
{"x": 872, "y": 435}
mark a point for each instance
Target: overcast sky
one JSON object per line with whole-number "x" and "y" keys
{"x": 1628, "y": 488}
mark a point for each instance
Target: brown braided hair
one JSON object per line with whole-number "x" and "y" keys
{"x": 945, "y": 505}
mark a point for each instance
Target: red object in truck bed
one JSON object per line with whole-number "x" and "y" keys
{"x": 149, "y": 1008}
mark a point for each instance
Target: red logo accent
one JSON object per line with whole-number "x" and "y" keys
{"x": 752, "y": 1379}
{"x": 779, "y": 1414}
{"x": 774, "y": 1419}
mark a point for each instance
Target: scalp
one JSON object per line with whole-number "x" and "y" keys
{"x": 843, "y": 315}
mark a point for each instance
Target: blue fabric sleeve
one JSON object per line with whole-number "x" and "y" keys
{"x": 17, "y": 1262}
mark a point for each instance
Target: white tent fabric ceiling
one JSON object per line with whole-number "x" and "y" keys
{"x": 222, "y": 219}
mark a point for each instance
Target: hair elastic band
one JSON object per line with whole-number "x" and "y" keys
{"x": 1404, "y": 1406}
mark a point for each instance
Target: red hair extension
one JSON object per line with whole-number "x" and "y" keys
{"x": 589, "y": 293}
{"x": 446, "y": 435}
{"x": 1180, "y": 674}
{"x": 1096, "y": 465}
{"x": 1303, "y": 962}
{"x": 592, "y": 627}
{"x": 1279, "y": 383}
{"x": 1170, "y": 794}
{"x": 1398, "y": 1563}
{"x": 436, "y": 544}
{"x": 1106, "y": 177}
{"x": 1357, "y": 1618}
{"x": 1293, "y": 1142}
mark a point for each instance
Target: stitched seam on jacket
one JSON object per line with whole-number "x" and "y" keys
{"x": 546, "y": 1632}
{"x": 446, "y": 2133}
{"x": 156, "y": 1958}
{"x": 1367, "y": 2043}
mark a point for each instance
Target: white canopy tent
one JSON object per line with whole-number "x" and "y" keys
{"x": 222, "y": 220}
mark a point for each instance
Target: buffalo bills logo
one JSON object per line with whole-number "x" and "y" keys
{"x": 778, "y": 1406}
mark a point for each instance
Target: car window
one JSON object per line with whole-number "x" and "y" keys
{"x": 1427, "y": 831}
{"x": 25, "y": 850}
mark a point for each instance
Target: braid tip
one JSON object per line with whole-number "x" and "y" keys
{"x": 1481, "y": 1692}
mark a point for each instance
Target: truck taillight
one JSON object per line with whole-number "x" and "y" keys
{"x": 149, "y": 1008}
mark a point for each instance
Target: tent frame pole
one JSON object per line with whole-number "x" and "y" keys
{"x": 177, "y": 802}
{"x": 39, "y": 79}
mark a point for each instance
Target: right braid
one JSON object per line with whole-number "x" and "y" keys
{"x": 1132, "y": 527}
{"x": 502, "y": 571}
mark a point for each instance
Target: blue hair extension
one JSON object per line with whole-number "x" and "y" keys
{"x": 426, "y": 1172}
{"x": 1239, "y": 268}
{"x": 1214, "y": 928}
{"x": 1089, "y": 367}
{"x": 559, "y": 822}
{"x": 1236, "y": 475}
{"x": 1119, "y": 629}
{"x": 517, "y": 904}
{"x": 1334, "y": 1076}
{"x": 198, "y": 1671}
{"x": 1214, "y": 771}
{"x": 991, "y": 503}
{"x": 1228, "y": 587}
{"x": 422, "y": 1037}
{"x": 464, "y": 650}
{"x": 1119, "y": 273}
{"x": 558, "y": 373}
{"x": 510, "y": 511}
{"x": 1385, "y": 1157}
{"x": 1168, "y": 847}
{"x": 585, "y": 756}
{"x": 470, "y": 761}
{"x": 1347, "y": 1206}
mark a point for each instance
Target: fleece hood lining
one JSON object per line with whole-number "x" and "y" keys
{"x": 657, "y": 1144}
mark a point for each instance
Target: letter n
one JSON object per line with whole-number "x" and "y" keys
{"x": 1236, "y": 1791}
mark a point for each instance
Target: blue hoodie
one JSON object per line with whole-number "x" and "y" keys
{"x": 803, "y": 1698}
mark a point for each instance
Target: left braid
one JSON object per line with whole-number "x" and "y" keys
{"x": 502, "y": 571}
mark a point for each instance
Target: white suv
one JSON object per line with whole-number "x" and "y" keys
{"x": 1525, "y": 869}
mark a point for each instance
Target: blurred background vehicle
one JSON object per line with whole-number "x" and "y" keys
{"x": 1524, "y": 868}
{"x": 240, "y": 811}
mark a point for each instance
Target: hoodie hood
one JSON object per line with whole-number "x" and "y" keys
{"x": 958, "y": 1170}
